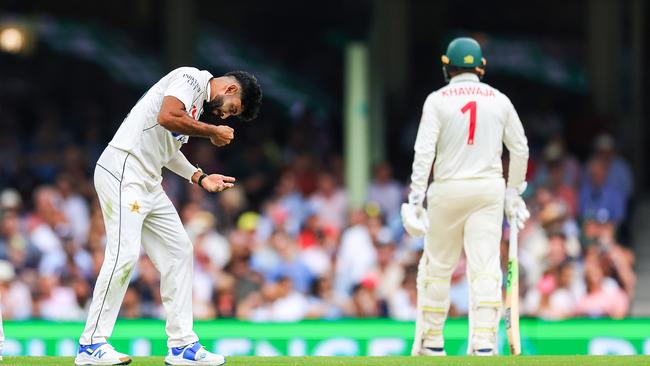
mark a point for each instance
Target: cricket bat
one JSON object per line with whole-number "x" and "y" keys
{"x": 512, "y": 293}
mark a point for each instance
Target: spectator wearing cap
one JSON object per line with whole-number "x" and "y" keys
{"x": 565, "y": 166}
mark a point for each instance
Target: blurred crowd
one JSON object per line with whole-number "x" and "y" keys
{"x": 284, "y": 245}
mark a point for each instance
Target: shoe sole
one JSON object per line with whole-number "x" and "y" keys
{"x": 195, "y": 363}
{"x": 124, "y": 362}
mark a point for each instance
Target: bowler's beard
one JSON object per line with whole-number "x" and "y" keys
{"x": 210, "y": 115}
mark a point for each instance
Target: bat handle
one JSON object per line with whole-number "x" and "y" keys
{"x": 514, "y": 236}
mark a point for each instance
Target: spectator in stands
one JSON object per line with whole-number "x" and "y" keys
{"x": 288, "y": 204}
{"x": 364, "y": 302}
{"x": 131, "y": 304}
{"x": 15, "y": 295}
{"x": 604, "y": 298}
{"x": 616, "y": 261}
{"x": 402, "y": 303}
{"x": 75, "y": 208}
{"x": 278, "y": 302}
{"x": 554, "y": 296}
{"x": 563, "y": 192}
{"x": 357, "y": 255}
{"x": 48, "y": 221}
{"x": 329, "y": 202}
{"x": 598, "y": 193}
{"x": 385, "y": 190}
{"x": 56, "y": 301}
{"x": 324, "y": 303}
{"x": 618, "y": 172}
{"x": 390, "y": 270}
{"x": 146, "y": 283}
{"x": 291, "y": 264}
{"x": 14, "y": 244}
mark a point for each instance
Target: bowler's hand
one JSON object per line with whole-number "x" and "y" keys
{"x": 222, "y": 135}
{"x": 217, "y": 182}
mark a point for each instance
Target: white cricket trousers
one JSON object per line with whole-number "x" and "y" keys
{"x": 133, "y": 214}
{"x": 462, "y": 214}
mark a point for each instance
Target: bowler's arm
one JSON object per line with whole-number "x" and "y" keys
{"x": 182, "y": 167}
{"x": 211, "y": 183}
{"x": 174, "y": 117}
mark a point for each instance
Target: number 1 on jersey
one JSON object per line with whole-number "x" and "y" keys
{"x": 471, "y": 106}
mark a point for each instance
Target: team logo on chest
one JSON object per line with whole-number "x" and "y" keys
{"x": 135, "y": 207}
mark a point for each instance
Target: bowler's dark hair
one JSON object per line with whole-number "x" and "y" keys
{"x": 251, "y": 94}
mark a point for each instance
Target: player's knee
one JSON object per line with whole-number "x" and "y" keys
{"x": 130, "y": 258}
{"x": 436, "y": 288}
{"x": 128, "y": 261}
{"x": 186, "y": 249}
{"x": 486, "y": 290}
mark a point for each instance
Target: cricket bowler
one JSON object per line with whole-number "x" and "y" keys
{"x": 461, "y": 133}
{"x": 136, "y": 210}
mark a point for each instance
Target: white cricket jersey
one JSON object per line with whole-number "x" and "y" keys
{"x": 463, "y": 128}
{"x": 141, "y": 135}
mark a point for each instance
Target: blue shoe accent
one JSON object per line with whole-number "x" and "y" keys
{"x": 189, "y": 351}
{"x": 436, "y": 349}
{"x": 177, "y": 350}
{"x": 91, "y": 348}
{"x": 485, "y": 350}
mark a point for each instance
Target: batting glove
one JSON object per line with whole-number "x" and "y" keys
{"x": 515, "y": 207}
{"x": 414, "y": 218}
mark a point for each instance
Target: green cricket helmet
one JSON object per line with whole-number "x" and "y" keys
{"x": 463, "y": 53}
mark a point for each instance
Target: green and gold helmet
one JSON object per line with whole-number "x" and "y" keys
{"x": 463, "y": 53}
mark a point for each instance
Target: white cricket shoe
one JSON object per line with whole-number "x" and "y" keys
{"x": 432, "y": 351}
{"x": 193, "y": 354}
{"x": 100, "y": 354}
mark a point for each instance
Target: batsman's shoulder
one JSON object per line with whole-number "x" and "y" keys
{"x": 435, "y": 96}
{"x": 504, "y": 99}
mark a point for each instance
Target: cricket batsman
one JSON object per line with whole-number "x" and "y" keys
{"x": 462, "y": 130}
{"x": 136, "y": 209}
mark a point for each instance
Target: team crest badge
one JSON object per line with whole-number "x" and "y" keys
{"x": 134, "y": 207}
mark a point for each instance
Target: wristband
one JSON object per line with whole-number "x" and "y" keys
{"x": 199, "y": 182}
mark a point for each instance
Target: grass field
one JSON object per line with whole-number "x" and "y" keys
{"x": 373, "y": 361}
